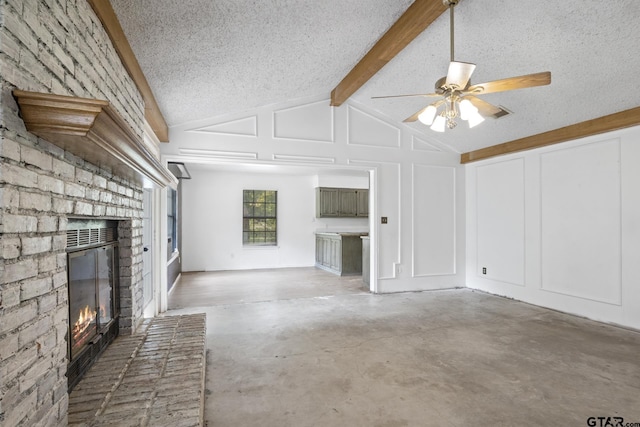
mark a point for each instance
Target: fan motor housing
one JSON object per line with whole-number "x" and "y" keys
{"x": 441, "y": 87}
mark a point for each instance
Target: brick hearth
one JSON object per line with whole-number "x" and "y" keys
{"x": 155, "y": 378}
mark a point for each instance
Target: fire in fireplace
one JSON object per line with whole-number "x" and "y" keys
{"x": 92, "y": 251}
{"x": 82, "y": 329}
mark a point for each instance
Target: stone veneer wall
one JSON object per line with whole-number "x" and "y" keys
{"x": 54, "y": 46}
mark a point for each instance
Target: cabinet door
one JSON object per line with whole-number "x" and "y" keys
{"x": 363, "y": 203}
{"x": 326, "y": 250}
{"x": 319, "y": 250}
{"x": 348, "y": 202}
{"x": 327, "y": 202}
{"x": 336, "y": 254}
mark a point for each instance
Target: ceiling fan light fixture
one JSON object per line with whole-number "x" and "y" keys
{"x": 458, "y": 95}
{"x": 428, "y": 115}
{"x": 439, "y": 124}
{"x": 467, "y": 109}
{"x": 475, "y": 119}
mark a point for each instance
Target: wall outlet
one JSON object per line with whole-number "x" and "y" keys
{"x": 383, "y": 220}
{"x": 484, "y": 270}
{"x": 398, "y": 268}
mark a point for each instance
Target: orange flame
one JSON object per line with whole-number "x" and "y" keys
{"x": 86, "y": 317}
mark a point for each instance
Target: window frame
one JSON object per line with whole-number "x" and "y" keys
{"x": 172, "y": 222}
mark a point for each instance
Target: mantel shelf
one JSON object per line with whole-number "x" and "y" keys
{"x": 92, "y": 130}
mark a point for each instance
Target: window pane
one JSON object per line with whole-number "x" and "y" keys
{"x": 271, "y": 237}
{"x": 259, "y": 210}
{"x": 270, "y": 224}
{"x": 171, "y": 200}
{"x": 271, "y": 197}
{"x": 245, "y": 237}
{"x": 258, "y": 196}
{"x": 248, "y": 195}
{"x": 270, "y": 211}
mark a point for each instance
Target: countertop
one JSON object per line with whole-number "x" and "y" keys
{"x": 343, "y": 233}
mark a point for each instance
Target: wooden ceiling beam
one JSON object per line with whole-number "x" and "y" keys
{"x": 110, "y": 22}
{"x": 413, "y": 22}
{"x": 612, "y": 122}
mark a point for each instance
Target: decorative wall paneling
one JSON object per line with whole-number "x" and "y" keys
{"x": 580, "y": 215}
{"x": 246, "y": 126}
{"x": 390, "y": 205}
{"x": 421, "y": 145}
{"x": 578, "y": 226}
{"x": 218, "y": 155}
{"x": 304, "y": 159}
{"x": 434, "y": 224}
{"x": 317, "y": 117}
{"x": 363, "y": 140}
{"x": 366, "y": 129}
{"x": 500, "y": 215}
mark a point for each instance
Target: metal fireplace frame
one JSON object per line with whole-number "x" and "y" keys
{"x": 84, "y": 235}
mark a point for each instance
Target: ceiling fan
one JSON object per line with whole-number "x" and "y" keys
{"x": 458, "y": 95}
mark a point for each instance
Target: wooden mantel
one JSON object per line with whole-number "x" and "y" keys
{"x": 92, "y": 130}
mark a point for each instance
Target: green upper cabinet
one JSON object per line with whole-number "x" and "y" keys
{"x": 363, "y": 203}
{"x": 327, "y": 202}
{"x": 348, "y": 202}
{"x": 342, "y": 202}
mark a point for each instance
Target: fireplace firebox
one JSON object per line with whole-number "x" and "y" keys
{"x": 94, "y": 303}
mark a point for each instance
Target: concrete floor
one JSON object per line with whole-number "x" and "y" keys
{"x": 454, "y": 358}
{"x": 247, "y": 286}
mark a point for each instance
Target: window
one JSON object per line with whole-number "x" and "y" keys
{"x": 259, "y": 209}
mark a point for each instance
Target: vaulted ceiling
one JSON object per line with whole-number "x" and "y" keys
{"x": 204, "y": 58}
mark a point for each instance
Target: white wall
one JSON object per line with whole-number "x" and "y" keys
{"x": 560, "y": 226}
{"x": 212, "y": 221}
{"x": 416, "y": 182}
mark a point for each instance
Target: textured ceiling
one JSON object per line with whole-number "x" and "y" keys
{"x": 205, "y": 58}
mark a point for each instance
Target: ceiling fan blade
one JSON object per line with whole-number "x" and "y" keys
{"x": 511, "y": 83}
{"x": 487, "y": 109}
{"x": 459, "y": 74}
{"x": 425, "y": 95}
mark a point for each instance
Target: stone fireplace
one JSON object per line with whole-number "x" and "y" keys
{"x": 83, "y": 153}
{"x": 72, "y": 248}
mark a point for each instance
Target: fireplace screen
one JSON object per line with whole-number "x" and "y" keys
{"x": 92, "y": 294}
